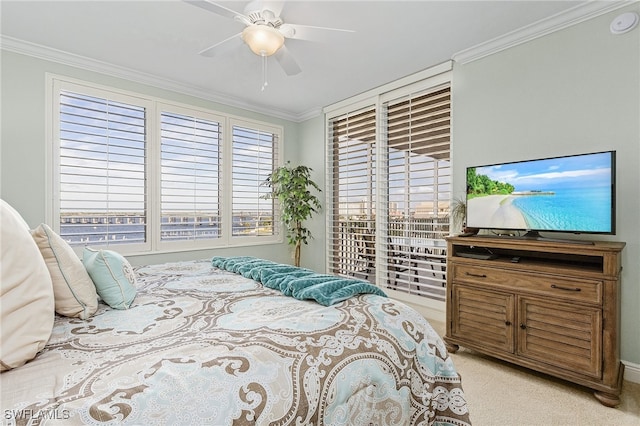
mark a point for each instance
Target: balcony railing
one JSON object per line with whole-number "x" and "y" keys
{"x": 412, "y": 257}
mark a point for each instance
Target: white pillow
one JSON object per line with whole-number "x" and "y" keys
{"x": 74, "y": 291}
{"x": 26, "y": 292}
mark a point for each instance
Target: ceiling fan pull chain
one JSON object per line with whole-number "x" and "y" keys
{"x": 264, "y": 73}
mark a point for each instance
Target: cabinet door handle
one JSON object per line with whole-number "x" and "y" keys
{"x": 476, "y": 275}
{"x": 507, "y": 323}
{"x": 523, "y": 326}
{"x": 565, "y": 288}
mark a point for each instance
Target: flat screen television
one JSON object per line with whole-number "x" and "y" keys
{"x": 572, "y": 194}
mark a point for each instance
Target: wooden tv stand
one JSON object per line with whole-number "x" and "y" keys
{"x": 550, "y": 306}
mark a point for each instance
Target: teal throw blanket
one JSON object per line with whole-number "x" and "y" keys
{"x": 296, "y": 282}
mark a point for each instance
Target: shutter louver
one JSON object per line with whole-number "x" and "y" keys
{"x": 254, "y": 158}
{"x": 155, "y": 176}
{"x": 352, "y": 172}
{"x": 390, "y": 197}
{"x": 419, "y": 178}
{"x": 190, "y": 178}
{"x": 102, "y": 171}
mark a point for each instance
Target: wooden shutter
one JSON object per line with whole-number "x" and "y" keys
{"x": 255, "y": 154}
{"x": 190, "y": 179}
{"x": 351, "y": 172}
{"x": 102, "y": 170}
{"x": 417, "y": 134}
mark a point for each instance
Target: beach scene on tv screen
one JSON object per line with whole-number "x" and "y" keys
{"x": 570, "y": 194}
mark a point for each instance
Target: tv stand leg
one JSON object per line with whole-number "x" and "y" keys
{"x": 612, "y": 398}
{"x": 451, "y": 348}
{"x": 607, "y": 399}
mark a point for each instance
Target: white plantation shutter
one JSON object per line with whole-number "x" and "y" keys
{"x": 417, "y": 135}
{"x": 254, "y": 157}
{"x": 191, "y": 170}
{"x": 389, "y": 183}
{"x": 351, "y": 177}
{"x": 152, "y": 175}
{"x": 101, "y": 170}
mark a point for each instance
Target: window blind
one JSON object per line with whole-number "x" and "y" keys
{"x": 390, "y": 179}
{"x": 254, "y": 157}
{"x": 102, "y": 170}
{"x": 153, "y": 175}
{"x": 190, "y": 177}
{"x": 352, "y": 179}
{"x": 417, "y": 135}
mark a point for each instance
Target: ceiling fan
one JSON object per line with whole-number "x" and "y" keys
{"x": 265, "y": 32}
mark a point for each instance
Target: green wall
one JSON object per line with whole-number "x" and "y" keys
{"x": 313, "y": 154}
{"x": 573, "y": 91}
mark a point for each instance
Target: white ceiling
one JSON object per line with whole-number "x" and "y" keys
{"x": 159, "y": 41}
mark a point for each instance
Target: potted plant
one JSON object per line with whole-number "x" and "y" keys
{"x": 291, "y": 186}
{"x": 458, "y": 213}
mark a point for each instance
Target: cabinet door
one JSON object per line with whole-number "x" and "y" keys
{"x": 483, "y": 317}
{"x": 561, "y": 335}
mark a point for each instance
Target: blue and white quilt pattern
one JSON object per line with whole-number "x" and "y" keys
{"x": 205, "y": 346}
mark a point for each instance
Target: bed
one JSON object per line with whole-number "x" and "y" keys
{"x": 200, "y": 344}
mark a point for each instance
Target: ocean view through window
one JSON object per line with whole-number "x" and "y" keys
{"x": 102, "y": 170}
{"x": 254, "y": 158}
{"x": 148, "y": 175}
{"x": 191, "y": 151}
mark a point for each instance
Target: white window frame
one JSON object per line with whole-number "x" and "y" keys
{"x": 153, "y": 107}
{"x": 179, "y": 245}
{"x": 228, "y": 204}
{"x": 428, "y": 79}
{"x": 53, "y": 153}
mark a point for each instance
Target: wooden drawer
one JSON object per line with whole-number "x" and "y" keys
{"x": 581, "y": 290}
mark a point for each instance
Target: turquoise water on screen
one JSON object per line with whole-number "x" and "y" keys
{"x": 584, "y": 209}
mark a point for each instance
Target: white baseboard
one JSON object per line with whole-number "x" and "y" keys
{"x": 631, "y": 372}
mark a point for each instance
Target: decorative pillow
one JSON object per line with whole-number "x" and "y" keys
{"x": 112, "y": 275}
{"x": 26, "y": 292}
{"x": 74, "y": 291}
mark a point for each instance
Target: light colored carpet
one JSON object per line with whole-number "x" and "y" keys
{"x": 499, "y": 393}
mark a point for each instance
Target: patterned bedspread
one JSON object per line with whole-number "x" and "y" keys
{"x": 208, "y": 347}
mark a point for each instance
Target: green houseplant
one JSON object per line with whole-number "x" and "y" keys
{"x": 291, "y": 186}
{"x": 458, "y": 213}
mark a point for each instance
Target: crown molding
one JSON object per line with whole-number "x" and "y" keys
{"x": 308, "y": 115}
{"x": 540, "y": 28}
{"x": 14, "y": 45}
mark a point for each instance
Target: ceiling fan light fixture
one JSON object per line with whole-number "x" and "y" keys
{"x": 263, "y": 40}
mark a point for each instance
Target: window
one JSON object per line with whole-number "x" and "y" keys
{"x": 254, "y": 158}
{"x": 389, "y": 179}
{"x": 191, "y": 166}
{"x": 147, "y": 175}
{"x": 102, "y": 146}
{"x": 351, "y": 175}
{"x": 417, "y": 135}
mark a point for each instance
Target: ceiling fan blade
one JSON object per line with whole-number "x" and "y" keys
{"x": 223, "y": 46}
{"x": 308, "y": 32}
{"x": 287, "y": 62}
{"x": 219, "y": 9}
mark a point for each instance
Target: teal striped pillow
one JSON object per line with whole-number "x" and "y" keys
{"x": 112, "y": 275}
